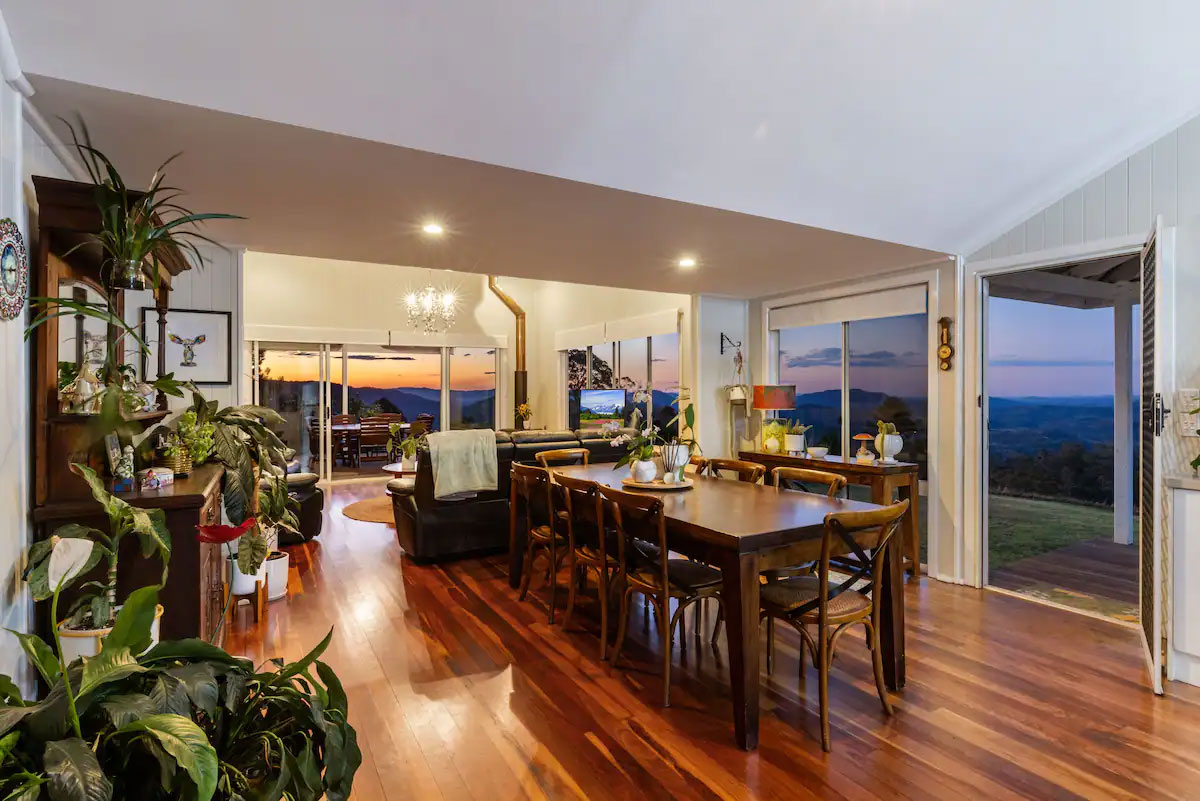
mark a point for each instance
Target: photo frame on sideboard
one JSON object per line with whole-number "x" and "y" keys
{"x": 199, "y": 346}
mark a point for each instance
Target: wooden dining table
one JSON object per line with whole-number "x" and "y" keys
{"x": 744, "y": 529}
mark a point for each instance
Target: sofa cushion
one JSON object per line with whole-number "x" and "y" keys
{"x": 526, "y": 437}
{"x": 402, "y": 486}
{"x": 297, "y": 481}
{"x": 503, "y": 436}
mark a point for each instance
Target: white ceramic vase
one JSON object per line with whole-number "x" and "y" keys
{"x": 277, "y": 575}
{"x": 87, "y": 642}
{"x": 888, "y": 445}
{"x": 525, "y": 424}
{"x": 675, "y": 458}
{"x": 408, "y": 464}
{"x": 771, "y": 445}
{"x": 643, "y": 472}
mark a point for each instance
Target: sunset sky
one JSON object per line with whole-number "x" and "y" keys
{"x": 470, "y": 368}
{"x": 886, "y": 355}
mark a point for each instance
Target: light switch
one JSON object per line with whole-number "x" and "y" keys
{"x": 1188, "y": 401}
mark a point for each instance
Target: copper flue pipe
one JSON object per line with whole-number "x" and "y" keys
{"x": 520, "y": 389}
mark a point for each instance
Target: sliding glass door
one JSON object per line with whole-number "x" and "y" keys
{"x": 810, "y": 357}
{"x": 291, "y": 380}
{"x": 603, "y": 379}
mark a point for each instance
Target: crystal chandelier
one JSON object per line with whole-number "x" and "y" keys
{"x": 431, "y": 310}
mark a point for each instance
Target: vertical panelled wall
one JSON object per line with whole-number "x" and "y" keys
{"x": 216, "y": 285}
{"x": 14, "y": 405}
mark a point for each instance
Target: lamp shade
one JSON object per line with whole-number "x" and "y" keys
{"x": 774, "y": 396}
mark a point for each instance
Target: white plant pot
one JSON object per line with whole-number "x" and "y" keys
{"x": 676, "y": 456}
{"x": 525, "y": 424}
{"x": 888, "y": 445}
{"x": 277, "y": 575}
{"x": 408, "y": 465}
{"x": 643, "y": 472}
{"x": 241, "y": 583}
{"x": 793, "y": 443}
{"x": 87, "y": 642}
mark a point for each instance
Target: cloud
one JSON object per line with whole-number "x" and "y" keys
{"x": 371, "y": 357}
{"x": 1024, "y": 361}
{"x": 832, "y": 357}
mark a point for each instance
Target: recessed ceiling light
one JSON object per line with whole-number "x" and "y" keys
{"x": 687, "y": 261}
{"x": 433, "y": 229}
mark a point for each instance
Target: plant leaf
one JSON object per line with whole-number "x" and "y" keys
{"x": 31, "y": 790}
{"x": 200, "y": 683}
{"x": 74, "y": 772}
{"x": 128, "y": 707}
{"x": 111, "y": 664}
{"x": 187, "y": 743}
{"x": 296, "y": 668}
{"x": 169, "y": 697}
{"x": 40, "y": 655}
{"x": 252, "y": 550}
{"x": 10, "y": 693}
{"x": 69, "y": 557}
{"x": 193, "y": 649}
{"x": 131, "y": 630}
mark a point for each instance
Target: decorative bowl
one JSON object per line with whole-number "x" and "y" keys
{"x": 818, "y": 452}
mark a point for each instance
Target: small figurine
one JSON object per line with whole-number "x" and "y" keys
{"x": 88, "y": 390}
{"x": 123, "y": 472}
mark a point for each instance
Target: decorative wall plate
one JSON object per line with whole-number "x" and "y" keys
{"x": 14, "y": 270}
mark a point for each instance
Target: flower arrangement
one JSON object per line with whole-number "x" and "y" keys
{"x": 524, "y": 411}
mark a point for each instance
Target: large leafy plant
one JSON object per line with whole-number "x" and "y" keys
{"x": 95, "y": 605}
{"x": 181, "y": 719}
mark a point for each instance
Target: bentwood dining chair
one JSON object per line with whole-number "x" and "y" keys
{"x": 660, "y": 579}
{"x": 562, "y": 457}
{"x": 698, "y": 465}
{"x": 805, "y": 601}
{"x": 532, "y": 499}
{"x": 749, "y": 472}
{"x": 589, "y": 547}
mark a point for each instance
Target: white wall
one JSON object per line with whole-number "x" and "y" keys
{"x": 215, "y": 285}
{"x": 15, "y": 605}
{"x": 712, "y": 317}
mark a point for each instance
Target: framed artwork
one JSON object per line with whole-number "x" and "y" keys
{"x": 199, "y": 345}
{"x": 112, "y": 448}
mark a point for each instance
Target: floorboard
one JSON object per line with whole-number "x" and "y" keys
{"x": 459, "y": 691}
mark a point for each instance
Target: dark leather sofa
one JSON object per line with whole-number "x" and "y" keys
{"x": 429, "y": 530}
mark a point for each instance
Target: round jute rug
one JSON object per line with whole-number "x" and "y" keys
{"x": 372, "y": 510}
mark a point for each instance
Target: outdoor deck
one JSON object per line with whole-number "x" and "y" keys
{"x": 1097, "y": 575}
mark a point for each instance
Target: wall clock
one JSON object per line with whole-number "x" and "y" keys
{"x": 14, "y": 270}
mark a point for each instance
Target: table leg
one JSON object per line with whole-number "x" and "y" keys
{"x": 739, "y": 576}
{"x": 891, "y": 617}
{"x": 911, "y": 491}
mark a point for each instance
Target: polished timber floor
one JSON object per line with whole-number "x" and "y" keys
{"x": 460, "y": 692}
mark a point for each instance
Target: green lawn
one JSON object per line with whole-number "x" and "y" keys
{"x": 1022, "y": 527}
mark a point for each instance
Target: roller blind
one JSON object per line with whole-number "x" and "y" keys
{"x": 868, "y": 306}
{"x": 644, "y": 325}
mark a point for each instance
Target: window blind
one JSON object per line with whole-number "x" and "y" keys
{"x": 868, "y": 306}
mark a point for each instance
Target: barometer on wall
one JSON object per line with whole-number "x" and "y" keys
{"x": 945, "y": 350}
{"x": 14, "y": 270}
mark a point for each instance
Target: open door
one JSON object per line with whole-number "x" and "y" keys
{"x": 1153, "y": 553}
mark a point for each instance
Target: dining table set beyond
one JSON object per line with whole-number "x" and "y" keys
{"x": 766, "y": 547}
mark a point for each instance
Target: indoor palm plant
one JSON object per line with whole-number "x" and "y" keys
{"x": 92, "y": 614}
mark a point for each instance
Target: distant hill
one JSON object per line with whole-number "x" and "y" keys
{"x": 1031, "y": 424}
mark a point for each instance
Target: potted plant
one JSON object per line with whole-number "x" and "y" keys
{"x": 677, "y": 450}
{"x": 276, "y": 511}
{"x": 190, "y": 444}
{"x": 407, "y": 446}
{"x": 793, "y": 437}
{"x": 888, "y": 441}
{"x": 639, "y": 450}
{"x": 136, "y": 230}
{"x": 525, "y": 414}
{"x": 183, "y": 719}
{"x": 92, "y": 614}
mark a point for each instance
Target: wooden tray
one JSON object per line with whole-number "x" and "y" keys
{"x": 658, "y": 484}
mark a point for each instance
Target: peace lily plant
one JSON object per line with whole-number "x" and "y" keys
{"x": 176, "y": 719}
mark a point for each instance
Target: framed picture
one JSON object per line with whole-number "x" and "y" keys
{"x": 112, "y": 447}
{"x": 199, "y": 345}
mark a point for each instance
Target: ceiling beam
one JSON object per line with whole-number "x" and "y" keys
{"x": 1056, "y": 284}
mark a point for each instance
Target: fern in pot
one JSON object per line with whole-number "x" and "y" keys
{"x": 92, "y": 614}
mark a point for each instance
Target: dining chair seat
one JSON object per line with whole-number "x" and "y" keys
{"x": 545, "y": 534}
{"x": 592, "y": 554}
{"x": 684, "y": 575}
{"x": 793, "y": 593}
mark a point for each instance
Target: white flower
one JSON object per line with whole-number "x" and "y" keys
{"x": 620, "y": 440}
{"x": 70, "y": 555}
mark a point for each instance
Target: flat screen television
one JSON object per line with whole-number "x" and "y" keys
{"x": 598, "y": 406}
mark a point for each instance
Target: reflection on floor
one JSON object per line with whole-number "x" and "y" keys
{"x": 459, "y": 691}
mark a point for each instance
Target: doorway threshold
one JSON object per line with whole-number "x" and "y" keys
{"x": 1065, "y": 607}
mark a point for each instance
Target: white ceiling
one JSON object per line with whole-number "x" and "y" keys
{"x": 935, "y": 123}
{"x": 311, "y": 193}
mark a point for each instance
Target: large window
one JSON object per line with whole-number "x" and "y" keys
{"x": 472, "y": 387}
{"x": 889, "y": 380}
{"x": 811, "y": 358}
{"x": 644, "y": 363}
{"x": 392, "y": 382}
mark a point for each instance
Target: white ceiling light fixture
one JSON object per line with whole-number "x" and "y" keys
{"x": 687, "y": 262}
{"x": 430, "y": 309}
{"x": 433, "y": 229}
